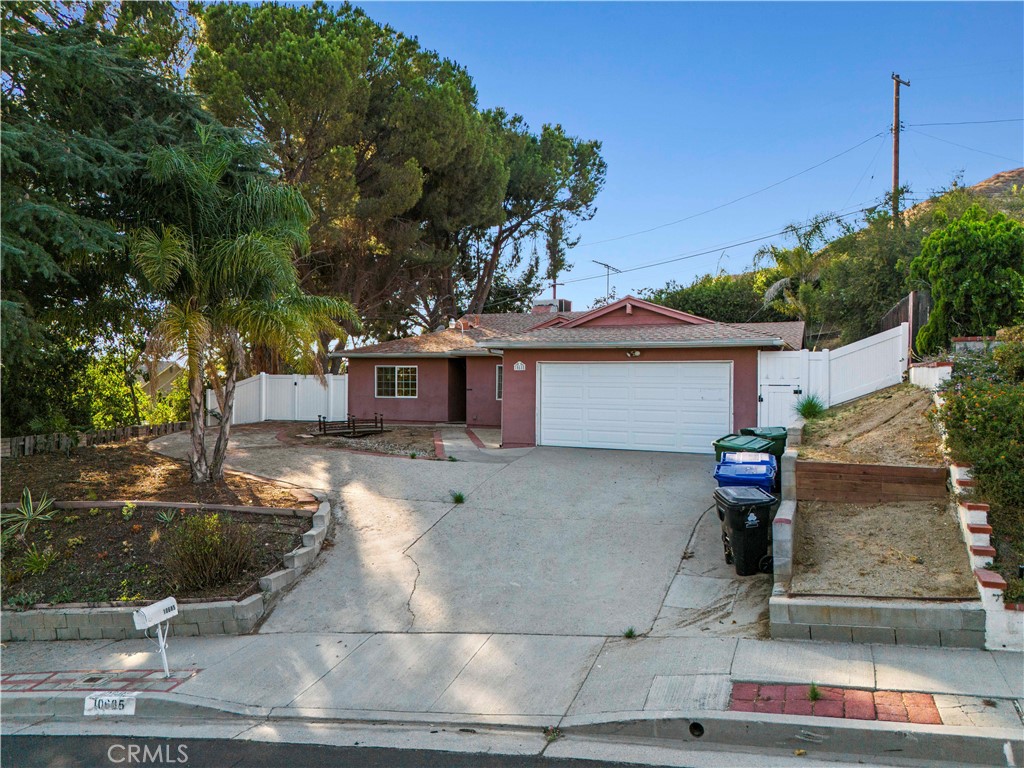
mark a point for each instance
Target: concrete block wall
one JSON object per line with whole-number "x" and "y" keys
{"x": 227, "y": 617}
{"x": 864, "y": 620}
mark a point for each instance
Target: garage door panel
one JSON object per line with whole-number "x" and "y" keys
{"x": 640, "y": 406}
{"x": 610, "y": 393}
{"x": 647, "y": 393}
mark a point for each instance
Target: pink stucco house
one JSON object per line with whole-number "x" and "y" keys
{"x": 630, "y": 375}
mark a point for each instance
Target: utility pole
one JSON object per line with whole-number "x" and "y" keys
{"x": 554, "y": 291}
{"x": 608, "y": 269}
{"x": 896, "y": 83}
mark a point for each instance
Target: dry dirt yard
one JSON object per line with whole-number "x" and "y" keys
{"x": 891, "y": 426}
{"x": 908, "y": 549}
{"x": 397, "y": 440}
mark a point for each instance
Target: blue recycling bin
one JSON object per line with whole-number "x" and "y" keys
{"x": 749, "y": 475}
{"x": 749, "y": 457}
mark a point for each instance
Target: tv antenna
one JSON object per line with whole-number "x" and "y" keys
{"x": 608, "y": 269}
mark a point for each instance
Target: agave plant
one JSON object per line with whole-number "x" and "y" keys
{"x": 18, "y": 521}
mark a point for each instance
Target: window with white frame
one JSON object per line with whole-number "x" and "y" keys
{"x": 396, "y": 380}
{"x": 499, "y": 376}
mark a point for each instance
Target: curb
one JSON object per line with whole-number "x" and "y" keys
{"x": 820, "y": 735}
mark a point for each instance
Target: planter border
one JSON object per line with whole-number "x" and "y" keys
{"x": 78, "y": 621}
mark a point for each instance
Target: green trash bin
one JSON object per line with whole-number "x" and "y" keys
{"x": 741, "y": 443}
{"x": 777, "y": 436}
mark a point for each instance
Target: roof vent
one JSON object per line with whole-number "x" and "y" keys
{"x": 564, "y": 305}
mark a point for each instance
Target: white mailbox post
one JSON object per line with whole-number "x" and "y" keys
{"x": 158, "y": 614}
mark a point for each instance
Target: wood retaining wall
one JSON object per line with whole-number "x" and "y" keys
{"x": 868, "y": 483}
{"x": 59, "y": 442}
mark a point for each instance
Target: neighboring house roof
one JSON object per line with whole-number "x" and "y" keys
{"x": 693, "y": 335}
{"x": 461, "y": 340}
{"x": 475, "y": 334}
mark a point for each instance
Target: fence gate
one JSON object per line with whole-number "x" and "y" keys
{"x": 835, "y": 376}
{"x": 782, "y": 377}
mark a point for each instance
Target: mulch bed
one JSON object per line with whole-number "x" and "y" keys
{"x": 113, "y": 555}
{"x": 394, "y": 441}
{"x": 106, "y": 555}
{"x": 132, "y": 471}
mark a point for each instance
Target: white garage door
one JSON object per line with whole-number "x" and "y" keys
{"x": 635, "y": 406}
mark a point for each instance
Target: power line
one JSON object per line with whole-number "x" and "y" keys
{"x": 684, "y": 257}
{"x": 964, "y": 146}
{"x": 736, "y": 200}
{"x": 967, "y": 122}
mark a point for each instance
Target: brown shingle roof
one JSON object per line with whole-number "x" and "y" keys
{"x": 513, "y": 330}
{"x": 704, "y": 334}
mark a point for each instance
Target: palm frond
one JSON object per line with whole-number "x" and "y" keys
{"x": 162, "y": 257}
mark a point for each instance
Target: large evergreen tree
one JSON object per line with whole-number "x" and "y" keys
{"x": 81, "y": 116}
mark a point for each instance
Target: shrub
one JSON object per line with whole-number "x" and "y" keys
{"x": 810, "y": 407}
{"x": 1009, "y": 355}
{"x": 984, "y": 422}
{"x": 208, "y": 551}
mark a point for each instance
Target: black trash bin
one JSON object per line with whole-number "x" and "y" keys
{"x": 746, "y": 513}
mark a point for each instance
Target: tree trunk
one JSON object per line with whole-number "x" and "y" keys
{"x": 197, "y": 463}
{"x": 486, "y": 277}
{"x": 234, "y": 361}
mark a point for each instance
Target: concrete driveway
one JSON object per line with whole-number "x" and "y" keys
{"x": 550, "y": 541}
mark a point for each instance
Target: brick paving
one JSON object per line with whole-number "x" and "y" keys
{"x": 848, "y": 703}
{"x": 96, "y": 680}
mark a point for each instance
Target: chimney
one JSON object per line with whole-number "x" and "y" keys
{"x": 544, "y": 307}
{"x": 564, "y": 305}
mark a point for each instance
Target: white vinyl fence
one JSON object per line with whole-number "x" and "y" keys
{"x": 267, "y": 397}
{"x": 835, "y": 376}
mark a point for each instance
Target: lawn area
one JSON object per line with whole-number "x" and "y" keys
{"x": 129, "y": 553}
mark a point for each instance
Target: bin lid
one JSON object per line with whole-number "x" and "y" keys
{"x": 743, "y": 495}
{"x": 747, "y": 457}
{"x": 750, "y": 471}
{"x": 768, "y": 432}
{"x": 750, "y": 443}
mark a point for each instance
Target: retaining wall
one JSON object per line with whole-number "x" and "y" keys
{"x": 891, "y": 622}
{"x": 867, "y": 483}
{"x": 70, "y": 622}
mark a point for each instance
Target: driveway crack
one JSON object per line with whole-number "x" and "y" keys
{"x": 415, "y": 583}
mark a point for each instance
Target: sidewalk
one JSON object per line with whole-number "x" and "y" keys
{"x": 525, "y": 680}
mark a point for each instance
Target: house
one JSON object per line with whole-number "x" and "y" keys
{"x": 630, "y": 375}
{"x": 161, "y": 380}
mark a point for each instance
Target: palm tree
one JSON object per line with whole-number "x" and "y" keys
{"x": 222, "y": 262}
{"x": 798, "y": 267}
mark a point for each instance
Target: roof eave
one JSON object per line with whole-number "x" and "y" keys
{"x": 767, "y": 342}
{"x": 389, "y": 354}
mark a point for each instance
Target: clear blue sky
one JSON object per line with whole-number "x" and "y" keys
{"x": 697, "y": 104}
